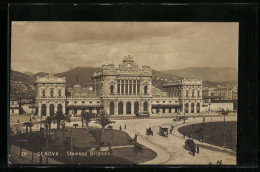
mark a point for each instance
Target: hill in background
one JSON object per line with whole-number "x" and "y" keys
{"x": 207, "y": 74}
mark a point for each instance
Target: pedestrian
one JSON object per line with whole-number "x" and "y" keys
{"x": 170, "y": 131}
{"x": 135, "y": 138}
{"x": 220, "y": 162}
{"x": 30, "y": 119}
{"x": 120, "y": 128}
{"x": 18, "y": 121}
{"x": 172, "y": 127}
{"x": 184, "y": 135}
{"x": 198, "y": 149}
{"x": 125, "y": 127}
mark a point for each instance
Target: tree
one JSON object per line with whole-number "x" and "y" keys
{"x": 87, "y": 116}
{"x": 60, "y": 117}
{"x": 103, "y": 119}
{"x": 48, "y": 121}
{"x": 26, "y": 124}
{"x": 30, "y": 126}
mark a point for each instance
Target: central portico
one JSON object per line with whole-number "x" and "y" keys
{"x": 124, "y": 90}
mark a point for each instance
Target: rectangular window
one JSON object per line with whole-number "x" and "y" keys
{"x": 12, "y": 111}
{"x": 83, "y": 101}
{"x": 118, "y": 86}
{"x": 138, "y": 86}
{"x": 163, "y": 101}
{"x": 170, "y": 101}
{"x": 122, "y": 87}
{"x": 130, "y": 87}
{"x": 134, "y": 86}
{"x": 126, "y": 86}
{"x": 90, "y": 102}
{"x": 75, "y": 102}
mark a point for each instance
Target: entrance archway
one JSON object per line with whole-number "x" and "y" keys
{"x": 120, "y": 108}
{"x": 192, "y": 108}
{"x": 136, "y": 107}
{"x": 43, "y": 112}
{"x": 59, "y": 108}
{"x": 111, "y": 108}
{"x": 51, "y": 110}
{"x": 145, "y": 108}
{"x": 186, "y": 108}
{"x": 128, "y": 108}
{"x": 198, "y": 108}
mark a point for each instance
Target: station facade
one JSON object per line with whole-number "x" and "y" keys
{"x": 122, "y": 90}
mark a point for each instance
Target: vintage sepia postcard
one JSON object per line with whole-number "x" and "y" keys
{"x": 112, "y": 93}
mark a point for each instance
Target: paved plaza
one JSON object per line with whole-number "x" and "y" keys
{"x": 170, "y": 150}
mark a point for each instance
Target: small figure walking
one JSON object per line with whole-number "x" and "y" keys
{"x": 135, "y": 138}
{"x": 125, "y": 127}
{"x": 120, "y": 128}
{"x": 198, "y": 149}
{"x": 184, "y": 135}
{"x": 18, "y": 121}
{"x": 170, "y": 131}
{"x": 172, "y": 127}
{"x": 220, "y": 162}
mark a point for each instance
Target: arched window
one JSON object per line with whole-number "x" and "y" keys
{"x": 186, "y": 108}
{"x": 111, "y": 89}
{"x": 59, "y": 93}
{"x": 198, "y": 108}
{"x": 43, "y": 112}
{"x": 51, "y": 109}
{"x": 43, "y": 93}
{"x": 111, "y": 108}
{"x": 145, "y": 106}
{"x": 120, "y": 108}
{"x": 136, "y": 107}
{"x": 51, "y": 93}
{"x": 59, "y": 108}
{"x": 192, "y": 108}
{"x": 198, "y": 93}
{"x": 187, "y": 93}
{"x": 145, "y": 89}
{"x": 128, "y": 108}
{"x": 192, "y": 93}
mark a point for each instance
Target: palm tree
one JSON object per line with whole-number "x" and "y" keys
{"x": 30, "y": 125}
{"x": 46, "y": 126}
{"x": 48, "y": 121}
{"x": 103, "y": 119}
{"x": 60, "y": 117}
{"x": 87, "y": 116}
{"x": 26, "y": 124}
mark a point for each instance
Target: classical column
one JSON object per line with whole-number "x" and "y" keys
{"x": 47, "y": 109}
{"x": 149, "y": 107}
{"x": 39, "y": 109}
{"x": 64, "y": 108}
{"x": 132, "y": 108}
{"x": 195, "y": 107}
{"x": 116, "y": 108}
{"x": 189, "y": 107}
{"x": 132, "y": 82}
{"x": 124, "y": 108}
{"x": 55, "y": 107}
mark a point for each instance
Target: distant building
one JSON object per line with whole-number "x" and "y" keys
{"x": 50, "y": 95}
{"x": 14, "y": 106}
{"x": 123, "y": 90}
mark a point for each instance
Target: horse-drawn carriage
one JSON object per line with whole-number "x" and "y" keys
{"x": 190, "y": 145}
{"x": 149, "y": 131}
{"x": 163, "y": 131}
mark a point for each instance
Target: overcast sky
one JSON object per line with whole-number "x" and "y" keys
{"x": 58, "y": 46}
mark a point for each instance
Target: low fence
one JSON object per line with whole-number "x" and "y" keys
{"x": 32, "y": 156}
